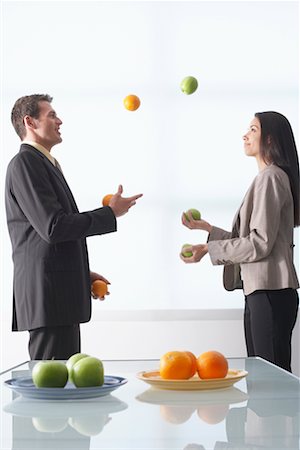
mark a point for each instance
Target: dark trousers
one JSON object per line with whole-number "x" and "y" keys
{"x": 54, "y": 342}
{"x": 269, "y": 319}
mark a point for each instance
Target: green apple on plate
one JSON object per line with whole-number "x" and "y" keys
{"x": 50, "y": 374}
{"x": 88, "y": 372}
{"x": 73, "y": 360}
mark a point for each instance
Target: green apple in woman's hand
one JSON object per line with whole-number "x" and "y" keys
{"x": 196, "y": 215}
{"x": 184, "y": 253}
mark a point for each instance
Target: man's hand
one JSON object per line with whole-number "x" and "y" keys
{"x": 96, "y": 276}
{"x": 198, "y": 251}
{"x": 120, "y": 205}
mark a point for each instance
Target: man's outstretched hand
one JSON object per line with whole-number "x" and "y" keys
{"x": 121, "y": 205}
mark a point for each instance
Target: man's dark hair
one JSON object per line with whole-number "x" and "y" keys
{"x": 278, "y": 147}
{"x": 27, "y": 106}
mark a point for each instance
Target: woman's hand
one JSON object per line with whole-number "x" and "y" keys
{"x": 193, "y": 224}
{"x": 198, "y": 251}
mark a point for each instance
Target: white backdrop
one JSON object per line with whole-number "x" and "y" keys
{"x": 180, "y": 151}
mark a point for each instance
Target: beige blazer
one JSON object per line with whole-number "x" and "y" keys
{"x": 258, "y": 252}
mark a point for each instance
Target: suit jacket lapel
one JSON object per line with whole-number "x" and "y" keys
{"x": 56, "y": 172}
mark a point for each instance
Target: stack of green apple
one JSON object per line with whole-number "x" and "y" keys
{"x": 80, "y": 369}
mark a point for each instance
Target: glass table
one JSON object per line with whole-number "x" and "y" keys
{"x": 261, "y": 411}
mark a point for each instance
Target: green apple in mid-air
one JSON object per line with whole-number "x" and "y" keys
{"x": 189, "y": 85}
{"x": 88, "y": 372}
{"x": 196, "y": 215}
{"x": 50, "y": 374}
{"x": 186, "y": 254}
{"x": 73, "y": 360}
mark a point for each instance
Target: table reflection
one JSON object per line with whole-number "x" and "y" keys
{"x": 267, "y": 417}
{"x": 177, "y": 407}
{"x": 270, "y": 420}
{"x": 55, "y": 424}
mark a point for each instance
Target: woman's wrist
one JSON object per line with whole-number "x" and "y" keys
{"x": 209, "y": 228}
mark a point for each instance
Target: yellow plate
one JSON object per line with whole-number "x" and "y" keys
{"x": 193, "y": 384}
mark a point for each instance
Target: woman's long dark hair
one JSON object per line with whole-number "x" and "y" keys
{"x": 278, "y": 147}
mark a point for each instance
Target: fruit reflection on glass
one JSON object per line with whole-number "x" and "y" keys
{"x": 176, "y": 365}
{"x": 88, "y": 372}
{"x": 176, "y": 414}
{"x": 99, "y": 288}
{"x": 89, "y": 425}
{"x": 185, "y": 253}
{"x": 212, "y": 364}
{"x": 189, "y": 85}
{"x": 106, "y": 199}
{"x": 50, "y": 374}
{"x": 196, "y": 215}
{"x": 132, "y": 102}
{"x": 73, "y": 360}
{"x": 49, "y": 424}
{"x": 212, "y": 414}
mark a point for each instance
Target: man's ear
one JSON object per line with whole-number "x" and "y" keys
{"x": 29, "y": 122}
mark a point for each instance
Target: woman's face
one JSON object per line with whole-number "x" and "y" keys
{"x": 252, "y": 138}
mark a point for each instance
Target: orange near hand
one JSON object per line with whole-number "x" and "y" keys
{"x": 106, "y": 199}
{"x": 99, "y": 288}
{"x": 212, "y": 364}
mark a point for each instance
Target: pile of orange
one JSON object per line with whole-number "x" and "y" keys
{"x": 182, "y": 365}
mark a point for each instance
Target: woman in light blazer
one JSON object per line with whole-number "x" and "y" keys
{"x": 258, "y": 253}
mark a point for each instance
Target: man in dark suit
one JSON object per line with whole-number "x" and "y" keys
{"x": 52, "y": 279}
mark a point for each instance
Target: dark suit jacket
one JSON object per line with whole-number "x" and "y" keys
{"x": 51, "y": 270}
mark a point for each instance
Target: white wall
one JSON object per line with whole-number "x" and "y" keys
{"x": 149, "y": 334}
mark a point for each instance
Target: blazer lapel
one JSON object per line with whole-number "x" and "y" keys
{"x": 55, "y": 170}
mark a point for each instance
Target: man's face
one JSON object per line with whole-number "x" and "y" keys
{"x": 47, "y": 125}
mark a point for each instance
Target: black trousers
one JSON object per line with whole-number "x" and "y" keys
{"x": 269, "y": 319}
{"x": 54, "y": 342}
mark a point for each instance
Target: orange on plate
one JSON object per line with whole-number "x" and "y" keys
{"x": 194, "y": 362}
{"x": 212, "y": 364}
{"x": 106, "y": 199}
{"x": 99, "y": 288}
{"x": 131, "y": 102}
{"x": 175, "y": 365}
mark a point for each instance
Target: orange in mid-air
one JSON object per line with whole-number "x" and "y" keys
{"x": 176, "y": 365}
{"x": 132, "y": 102}
{"x": 106, "y": 199}
{"x": 99, "y": 288}
{"x": 212, "y": 364}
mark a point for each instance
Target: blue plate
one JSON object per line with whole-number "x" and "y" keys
{"x": 25, "y": 386}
